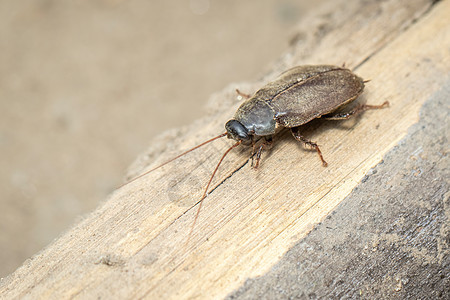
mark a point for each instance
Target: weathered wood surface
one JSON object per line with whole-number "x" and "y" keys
{"x": 395, "y": 243}
{"x": 133, "y": 246}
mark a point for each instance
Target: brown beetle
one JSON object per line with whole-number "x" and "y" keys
{"x": 296, "y": 97}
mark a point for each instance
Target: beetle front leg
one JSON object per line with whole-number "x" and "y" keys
{"x": 302, "y": 139}
{"x": 358, "y": 109}
{"x": 267, "y": 143}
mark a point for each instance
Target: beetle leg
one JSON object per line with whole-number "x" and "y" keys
{"x": 267, "y": 142}
{"x": 243, "y": 95}
{"x": 302, "y": 139}
{"x": 258, "y": 157}
{"x": 358, "y": 109}
{"x": 253, "y": 151}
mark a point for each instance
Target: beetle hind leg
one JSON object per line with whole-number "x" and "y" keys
{"x": 302, "y": 139}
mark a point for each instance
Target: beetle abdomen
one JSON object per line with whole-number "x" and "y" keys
{"x": 315, "y": 96}
{"x": 289, "y": 78}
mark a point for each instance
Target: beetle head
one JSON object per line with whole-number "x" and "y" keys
{"x": 238, "y": 132}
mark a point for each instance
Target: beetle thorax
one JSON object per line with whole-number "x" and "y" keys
{"x": 257, "y": 117}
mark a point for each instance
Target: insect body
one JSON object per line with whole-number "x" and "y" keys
{"x": 296, "y": 97}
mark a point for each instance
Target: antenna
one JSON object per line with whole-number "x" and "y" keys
{"x": 205, "y": 193}
{"x": 172, "y": 159}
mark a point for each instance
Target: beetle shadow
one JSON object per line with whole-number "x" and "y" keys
{"x": 340, "y": 124}
{"x": 344, "y": 124}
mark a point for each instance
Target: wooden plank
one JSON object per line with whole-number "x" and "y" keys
{"x": 134, "y": 244}
{"x": 393, "y": 244}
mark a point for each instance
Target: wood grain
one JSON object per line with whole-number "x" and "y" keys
{"x": 133, "y": 246}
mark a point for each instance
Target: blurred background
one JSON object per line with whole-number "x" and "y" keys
{"x": 85, "y": 85}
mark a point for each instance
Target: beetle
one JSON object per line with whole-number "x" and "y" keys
{"x": 296, "y": 97}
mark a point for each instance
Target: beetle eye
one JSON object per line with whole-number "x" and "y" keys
{"x": 236, "y": 130}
